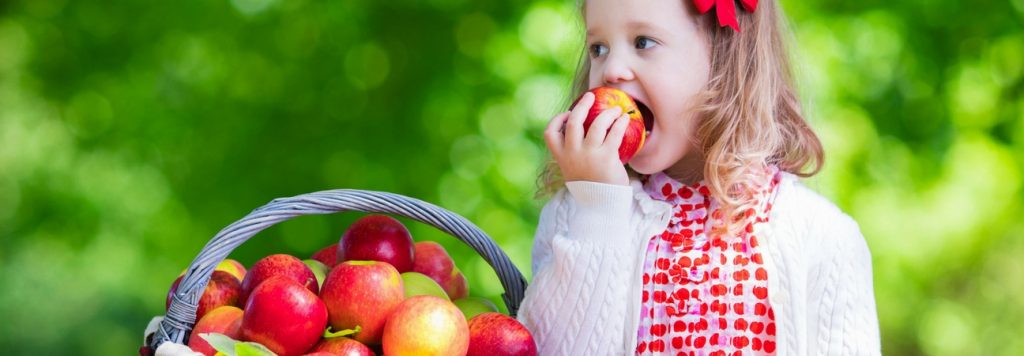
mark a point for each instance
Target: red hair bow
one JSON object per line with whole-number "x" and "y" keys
{"x": 726, "y": 10}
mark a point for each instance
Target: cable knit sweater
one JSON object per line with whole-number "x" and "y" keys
{"x": 585, "y": 294}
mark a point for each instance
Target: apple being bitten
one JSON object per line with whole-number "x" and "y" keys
{"x": 433, "y": 260}
{"x": 636, "y": 132}
{"x": 377, "y": 238}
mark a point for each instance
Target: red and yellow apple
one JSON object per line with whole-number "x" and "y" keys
{"x": 319, "y": 270}
{"x": 222, "y": 289}
{"x": 342, "y": 346}
{"x": 278, "y": 265}
{"x": 496, "y": 334}
{"x": 362, "y": 293}
{"x": 284, "y": 316}
{"x": 377, "y": 238}
{"x": 432, "y": 260}
{"x": 424, "y": 326}
{"x": 606, "y": 98}
{"x": 234, "y": 267}
{"x": 225, "y": 320}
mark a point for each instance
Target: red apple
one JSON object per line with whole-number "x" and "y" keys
{"x": 234, "y": 267}
{"x": 222, "y": 289}
{"x": 342, "y": 346}
{"x": 377, "y": 238}
{"x": 426, "y": 325}
{"x": 225, "y": 320}
{"x": 362, "y": 293}
{"x": 327, "y": 255}
{"x": 433, "y": 261}
{"x": 606, "y": 98}
{"x": 278, "y": 265}
{"x": 284, "y": 316}
{"x": 496, "y": 334}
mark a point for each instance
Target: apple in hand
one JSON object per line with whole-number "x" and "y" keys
{"x": 342, "y": 346}
{"x": 362, "y": 293}
{"x": 284, "y": 316}
{"x": 426, "y": 325}
{"x": 636, "y": 133}
{"x": 225, "y": 320}
{"x": 432, "y": 260}
{"x": 278, "y": 265}
{"x": 496, "y": 334}
{"x": 377, "y": 238}
{"x": 222, "y": 289}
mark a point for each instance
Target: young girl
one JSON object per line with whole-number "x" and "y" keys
{"x": 707, "y": 243}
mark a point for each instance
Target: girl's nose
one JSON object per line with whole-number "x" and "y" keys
{"x": 616, "y": 70}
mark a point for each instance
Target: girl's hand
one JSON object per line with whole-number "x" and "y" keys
{"x": 595, "y": 156}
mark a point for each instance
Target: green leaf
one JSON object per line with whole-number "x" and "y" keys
{"x": 330, "y": 335}
{"x": 231, "y": 347}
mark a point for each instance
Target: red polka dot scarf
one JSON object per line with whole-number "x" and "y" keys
{"x": 704, "y": 295}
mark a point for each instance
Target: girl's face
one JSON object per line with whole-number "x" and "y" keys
{"x": 654, "y": 51}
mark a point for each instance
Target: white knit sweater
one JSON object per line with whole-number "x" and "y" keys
{"x": 591, "y": 243}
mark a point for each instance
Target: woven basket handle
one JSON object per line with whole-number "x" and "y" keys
{"x": 181, "y": 315}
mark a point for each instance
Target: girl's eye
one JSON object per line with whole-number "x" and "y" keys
{"x": 643, "y": 43}
{"x": 597, "y": 50}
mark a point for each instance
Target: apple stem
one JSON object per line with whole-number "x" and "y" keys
{"x": 330, "y": 335}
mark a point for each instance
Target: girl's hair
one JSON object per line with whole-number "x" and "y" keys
{"x": 749, "y": 112}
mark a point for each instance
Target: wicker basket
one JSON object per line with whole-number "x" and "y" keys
{"x": 181, "y": 315}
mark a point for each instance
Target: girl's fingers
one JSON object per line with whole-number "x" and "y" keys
{"x": 574, "y": 125}
{"x": 553, "y": 133}
{"x": 617, "y": 132}
{"x": 599, "y": 127}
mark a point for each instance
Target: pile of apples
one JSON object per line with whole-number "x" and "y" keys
{"x": 373, "y": 292}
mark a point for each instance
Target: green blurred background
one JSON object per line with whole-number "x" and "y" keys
{"x": 131, "y": 132}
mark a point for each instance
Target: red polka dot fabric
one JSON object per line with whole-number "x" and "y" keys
{"x": 705, "y": 295}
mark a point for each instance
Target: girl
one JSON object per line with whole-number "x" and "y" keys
{"x": 707, "y": 243}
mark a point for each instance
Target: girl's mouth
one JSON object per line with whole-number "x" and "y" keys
{"x": 648, "y": 117}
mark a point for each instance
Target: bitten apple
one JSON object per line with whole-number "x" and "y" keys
{"x": 496, "y": 334}
{"x": 225, "y": 320}
{"x": 426, "y": 325}
{"x": 377, "y": 238}
{"x": 606, "y": 98}
{"x": 284, "y": 316}
{"x": 362, "y": 293}
{"x": 278, "y": 265}
{"x": 432, "y": 260}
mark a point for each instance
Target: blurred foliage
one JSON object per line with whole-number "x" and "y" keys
{"x": 131, "y": 132}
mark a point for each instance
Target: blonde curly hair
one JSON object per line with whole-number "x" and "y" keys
{"x": 749, "y": 112}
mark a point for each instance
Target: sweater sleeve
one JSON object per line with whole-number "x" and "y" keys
{"x": 584, "y": 257}
{"x": 847, "y": 318}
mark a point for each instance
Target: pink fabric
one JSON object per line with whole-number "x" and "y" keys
{"x": 705, "y": 296}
